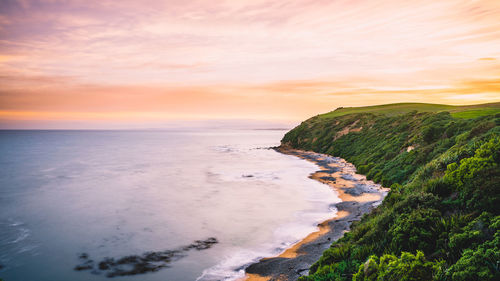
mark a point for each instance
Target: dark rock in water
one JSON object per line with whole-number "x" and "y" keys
{"x": 83, "y": 267}
{"x": 129, "y": 260}
{"x": 161, "y": 256}
{"x": 203, "y": 245}
{"x": 138, "y": 268}
{"x": 106, "y": 263}
{"x": 140, "y": 264}
{"x": 87, "y": 265}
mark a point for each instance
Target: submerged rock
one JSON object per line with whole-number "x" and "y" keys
{"x": 106, "y": 263}
{"x": 85, "y": 266}
{"x": 140, "y": 264}
{"x": 203, "y": 244}
{"x": 86, "y": 263}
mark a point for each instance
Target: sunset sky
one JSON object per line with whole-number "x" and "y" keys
{"x": 132, "y": 64}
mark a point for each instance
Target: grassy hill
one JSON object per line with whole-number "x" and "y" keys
{"x": 466, "y": 111}
{"x": 441, "y": 219}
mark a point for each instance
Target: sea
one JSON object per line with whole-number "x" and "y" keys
{"x": 198, "y": 204}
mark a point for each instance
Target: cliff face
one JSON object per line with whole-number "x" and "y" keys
{"x": 442, "y": 210}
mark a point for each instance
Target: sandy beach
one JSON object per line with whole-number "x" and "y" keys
{"x": 358, "y": 195}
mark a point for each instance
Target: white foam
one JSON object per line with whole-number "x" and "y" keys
{"x": 23, "y": 234}
{"x": 304, "y": 222}
{"x": 233, "y": 266}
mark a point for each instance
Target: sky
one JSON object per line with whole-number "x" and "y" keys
{"x": 140, "y": 64}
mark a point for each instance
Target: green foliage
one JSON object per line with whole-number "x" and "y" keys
{"x": 408, "y": 267}
{"x": 444, "y": 174}
{"x": 438, "y": 186}
{"x": 431, "y": 133}
{"x": 416, "y": 230}
{"x": 475, "y": 233}
{"x": 332, "y": 255}
{"x": 481, "y": 263}
{"x": 486, "y": 157}
{"x": 477, "y": 178}
{"x": 339, "y": 271}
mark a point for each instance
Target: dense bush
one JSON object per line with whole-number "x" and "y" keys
{"x": 416, "y": 230}
{"x": 444, "y": 175}
{"x": 481, "y": 263}
{"x": 408, "y": 267}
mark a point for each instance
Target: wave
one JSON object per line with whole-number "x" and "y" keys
{"x": 233, "y": 266}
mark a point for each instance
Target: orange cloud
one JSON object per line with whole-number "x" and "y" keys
{"x": 291, "y": 100}
{"x": 124, "y": 60}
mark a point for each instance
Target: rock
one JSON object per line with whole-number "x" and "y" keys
{"x": 370, "y": 267}
{"x": 302, "y": 271}
{"x": 87, "y": 265}
{"x": 83, "y": 267}
{"x": 140, "y": 264}
{"x": 106, "y": 263}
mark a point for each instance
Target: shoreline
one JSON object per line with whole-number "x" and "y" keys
{"x": 358, "y": 196}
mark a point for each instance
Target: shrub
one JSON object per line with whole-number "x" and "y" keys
{"x": 408, "y": 267}
{"x": 416, "y": 230}
{"x": 479, "y": 264}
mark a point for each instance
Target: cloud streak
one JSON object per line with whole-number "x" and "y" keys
{"x": 285, "y": 59}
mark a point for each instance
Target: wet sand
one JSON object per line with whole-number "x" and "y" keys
{"x": 358, "y": 195}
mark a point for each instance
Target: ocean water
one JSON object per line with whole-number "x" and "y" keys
{"x": 111, "y": 194}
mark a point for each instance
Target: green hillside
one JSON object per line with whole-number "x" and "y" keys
{"x": 467, "y": 111}
{"x": 441, "y": 219}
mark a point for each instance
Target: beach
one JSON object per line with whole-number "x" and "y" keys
{"x": 359, "y": 196}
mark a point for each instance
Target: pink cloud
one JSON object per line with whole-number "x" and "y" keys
{"x": 247, "y": 46}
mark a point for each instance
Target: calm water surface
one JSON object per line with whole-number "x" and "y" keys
{"x": 120, "y": 193}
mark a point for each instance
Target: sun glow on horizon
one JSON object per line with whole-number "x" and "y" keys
{"x": 156, "y": 61}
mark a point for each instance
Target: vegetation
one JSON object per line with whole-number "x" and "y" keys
{"x": 441, "y": 219}
{"x": 389, "y": 267}
{"x": 467, "y": 111}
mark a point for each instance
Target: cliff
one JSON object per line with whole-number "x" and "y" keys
{"x": 441, "y": 220}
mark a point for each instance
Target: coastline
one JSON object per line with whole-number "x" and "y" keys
{"x": 358, "y": 196}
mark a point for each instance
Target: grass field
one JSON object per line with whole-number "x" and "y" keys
{"x": 466, "y": 111}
